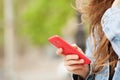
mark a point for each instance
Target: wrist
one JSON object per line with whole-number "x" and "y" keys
{"x": 81, "y": 78}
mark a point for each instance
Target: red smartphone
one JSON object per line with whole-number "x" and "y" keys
{"x": 67, "y": 48}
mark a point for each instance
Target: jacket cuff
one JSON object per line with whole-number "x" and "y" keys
{"x": 77, "y": 77}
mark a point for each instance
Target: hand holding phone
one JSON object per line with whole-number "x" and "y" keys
{"x": 67, "y": 48}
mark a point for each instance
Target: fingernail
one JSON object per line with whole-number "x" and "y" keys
{"x": 74, "y": 45}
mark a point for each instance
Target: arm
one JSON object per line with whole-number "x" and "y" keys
{"x": 88, "y": 53}
{"x": 111, "y": 27}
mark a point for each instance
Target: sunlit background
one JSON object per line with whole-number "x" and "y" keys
{"x": 25, "y": 26}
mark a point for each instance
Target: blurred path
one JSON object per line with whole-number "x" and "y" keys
{"x": 35, "y": 66}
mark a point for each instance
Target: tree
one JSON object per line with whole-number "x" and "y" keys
{"x": 43, "y": 18}
{"x": 9, "y": 39}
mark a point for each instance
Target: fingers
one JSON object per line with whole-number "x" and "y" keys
{"x": 59, "y": 52}
{"x": 76, "y": 47}
{"x": 71, "y": 57}
{"x": 74, "y": 67}
{"x": 74, "y": 62}
{"x": 67, "y": 57}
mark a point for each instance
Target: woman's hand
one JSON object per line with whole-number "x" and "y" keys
{"x": 116, "y": 3}
{"x": 74, "y": 64}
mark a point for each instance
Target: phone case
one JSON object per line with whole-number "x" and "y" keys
{"x": 67, "y": 48}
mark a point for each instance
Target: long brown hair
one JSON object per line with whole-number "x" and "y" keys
{"x": 94, "y": 10}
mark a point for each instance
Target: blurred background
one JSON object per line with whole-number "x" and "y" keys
{"x": 25, "y": 26}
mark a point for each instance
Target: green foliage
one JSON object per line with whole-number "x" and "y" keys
{"x": 1, "y": 35}
{"x": 1, "y": 9}
{"x": 1, "y": 22}
{"x": 43, "y": 18}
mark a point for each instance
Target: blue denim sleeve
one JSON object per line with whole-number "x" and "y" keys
{"x": 111, "y": 27}
{"x": 88, "y": 53}
{"x": 89, "y": 47}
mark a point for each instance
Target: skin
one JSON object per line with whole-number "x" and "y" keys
{"x": 73, "y": 63}
{"x": 116, "y": 3}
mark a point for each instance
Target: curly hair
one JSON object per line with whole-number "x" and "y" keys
{"x": 93, "y": 11}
